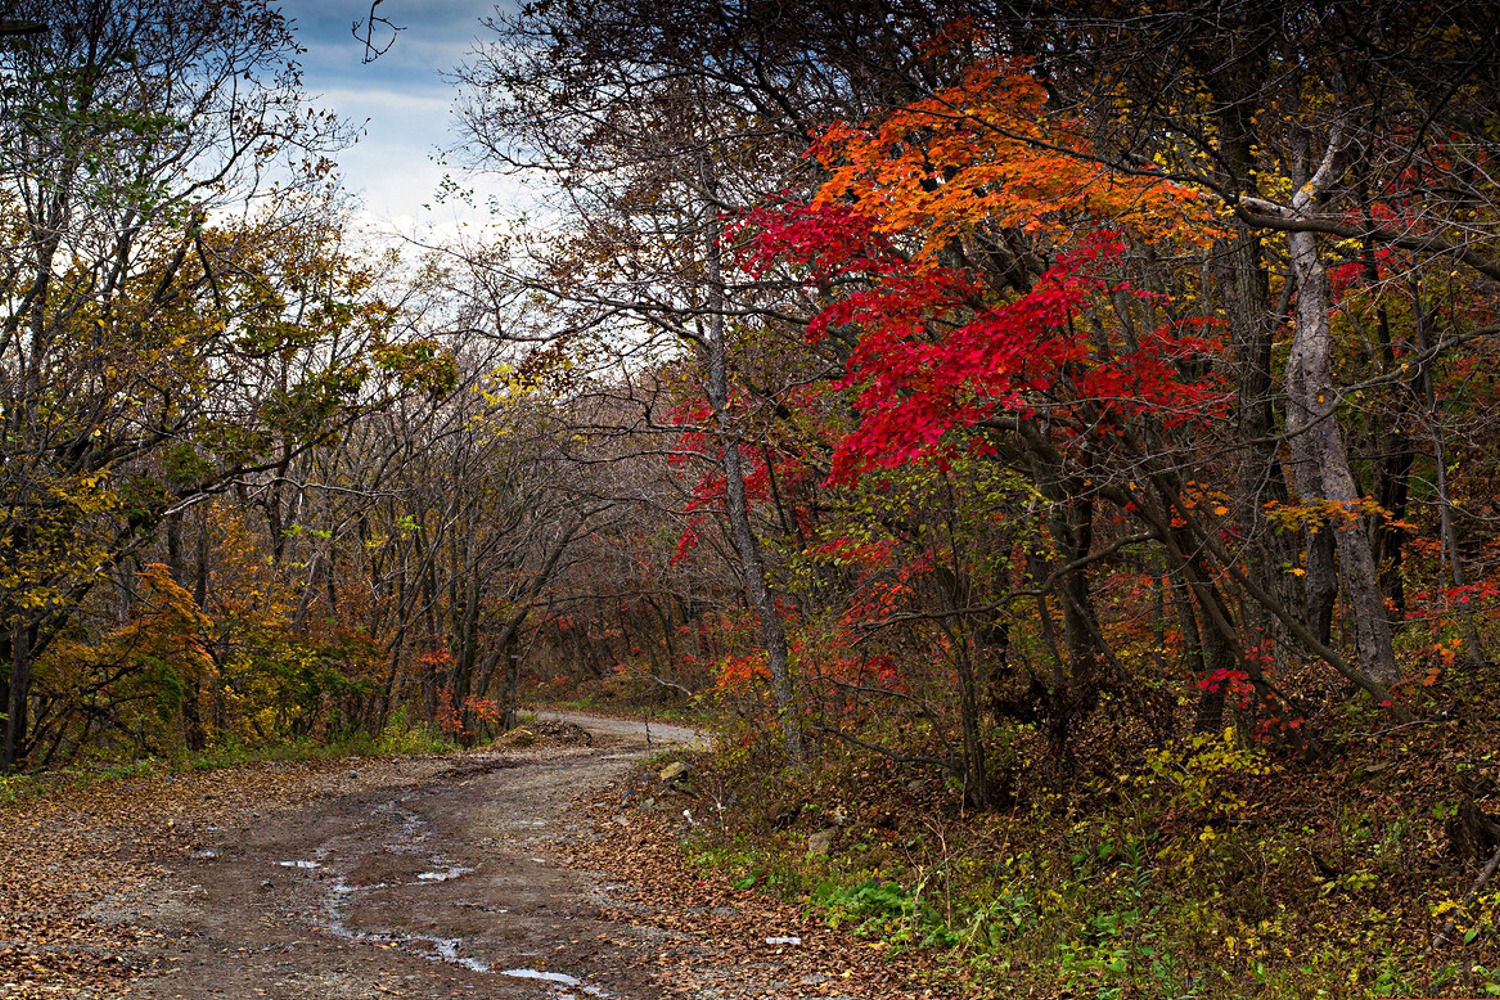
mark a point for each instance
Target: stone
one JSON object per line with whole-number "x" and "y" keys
{"x": 678, "y": 770}
{"x": 821, "y": 843}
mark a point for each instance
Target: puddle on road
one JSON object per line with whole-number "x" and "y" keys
{"x": 447, "y": 951}
{"x": 562, "y": 979}
{"x": 411, "y": 834}
{"x": 451, "y": 872}
{"x": 557, "y": 979}
{"x": 430, "y": 946}
{"x": 410, "y": 839}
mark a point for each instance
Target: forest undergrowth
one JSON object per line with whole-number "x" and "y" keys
{"x": 1215, "y": 866}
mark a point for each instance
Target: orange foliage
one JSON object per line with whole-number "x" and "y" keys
{"x": 987, "y": 154}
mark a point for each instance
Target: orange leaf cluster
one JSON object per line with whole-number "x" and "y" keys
{"x": 986, "y": 154}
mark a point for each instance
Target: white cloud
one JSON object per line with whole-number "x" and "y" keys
{"x": 402, "y": 104}
{"x": 391, "y": 105}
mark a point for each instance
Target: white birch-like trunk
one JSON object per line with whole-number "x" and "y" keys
{"x": 1320, "y": 458}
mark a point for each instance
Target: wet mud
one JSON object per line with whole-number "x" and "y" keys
{"x": 441, "y": 880}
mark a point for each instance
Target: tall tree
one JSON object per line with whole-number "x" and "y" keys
{"x": 138, "y": 337}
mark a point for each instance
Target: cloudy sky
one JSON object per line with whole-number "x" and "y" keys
{"x": 403, "y": 98}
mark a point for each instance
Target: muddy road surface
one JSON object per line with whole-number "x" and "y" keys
{"x": 427, "y": 878}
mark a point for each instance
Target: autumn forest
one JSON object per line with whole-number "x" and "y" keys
{"x": 1060, "y": 441}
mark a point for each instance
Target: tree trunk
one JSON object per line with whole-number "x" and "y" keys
{"x": 976, "y": 777}
{"x": 1070, "y": 520}
{"x": 192, "y": 695}
{"x": 1321, "y": 468}
{"x": 741, "y": 531}
{"x": 16, "y": 703}
{"x": 510, "y": 652}
{"x": 1320, "y": 583}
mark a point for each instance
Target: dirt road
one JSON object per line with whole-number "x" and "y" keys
{"x": 432, "y": 878}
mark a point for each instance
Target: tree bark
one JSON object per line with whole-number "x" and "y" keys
{"x": 741, "y": 531}
{"x": 1321, "y": 470}
{"x": 16, "y": 704}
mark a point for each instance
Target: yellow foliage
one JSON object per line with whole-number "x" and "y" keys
{"x": 1198, "y": 775}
